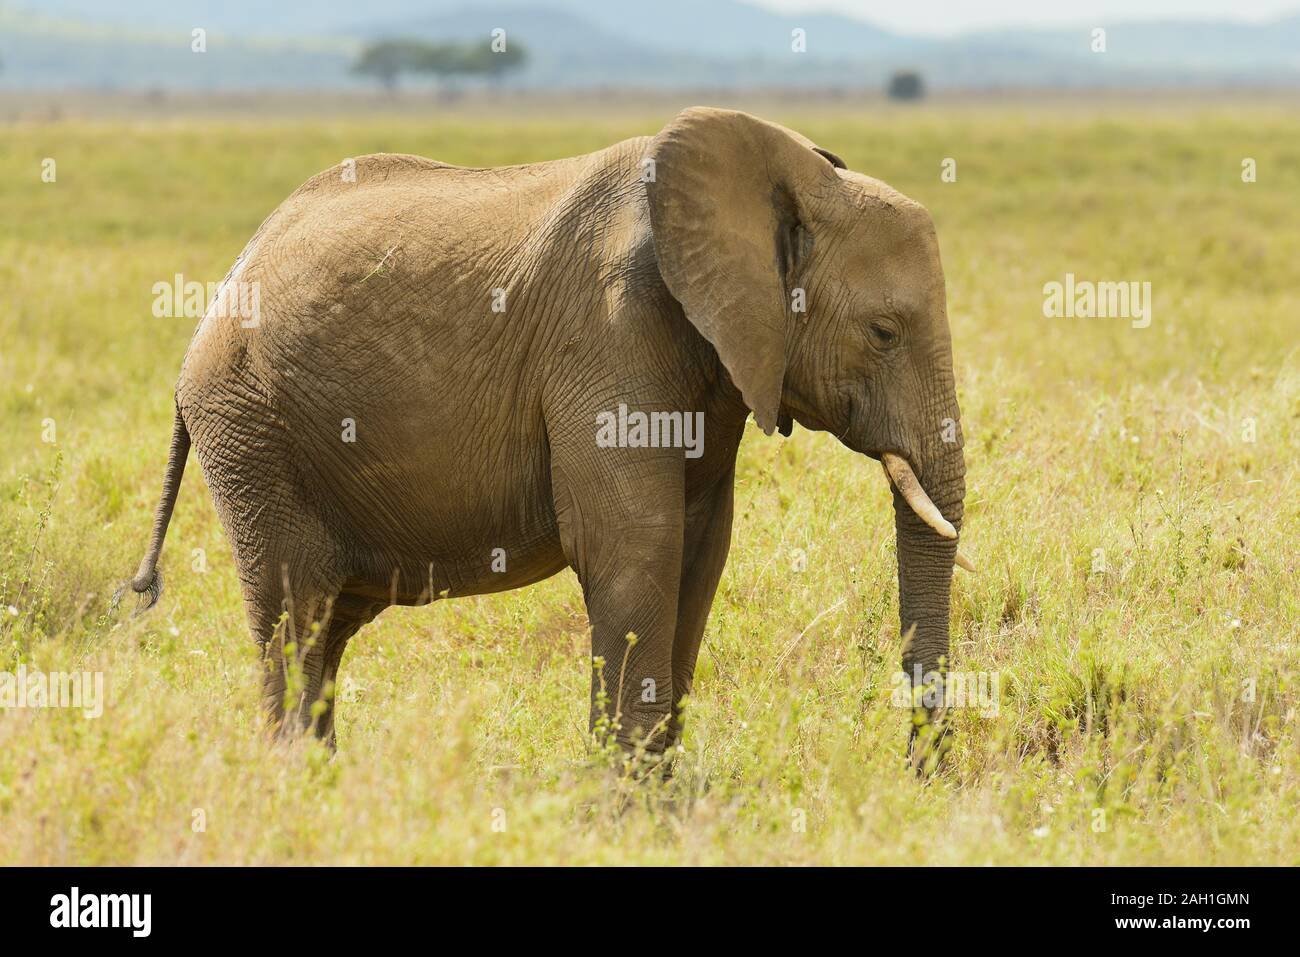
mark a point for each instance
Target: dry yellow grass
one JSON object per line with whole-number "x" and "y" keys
{"x": 1148, "y": 700}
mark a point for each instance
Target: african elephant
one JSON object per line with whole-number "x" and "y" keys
{"x": 461, "y": 381}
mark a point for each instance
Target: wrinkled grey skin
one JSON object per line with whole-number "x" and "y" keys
{"x": 665, "y": 285}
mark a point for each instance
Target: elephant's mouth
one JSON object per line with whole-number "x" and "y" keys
{"x": 900, "y": 476}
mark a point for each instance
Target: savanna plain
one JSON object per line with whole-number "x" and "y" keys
{"x": 1133, "y": 507}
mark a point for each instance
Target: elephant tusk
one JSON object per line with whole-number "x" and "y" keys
{"x": 962, "y": 561}
{"x": 904, "y": 478}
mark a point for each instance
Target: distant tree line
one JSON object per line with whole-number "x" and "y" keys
{"x": 387, "y": 60}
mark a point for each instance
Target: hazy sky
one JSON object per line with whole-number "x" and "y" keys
{"x": 951, "y": 16}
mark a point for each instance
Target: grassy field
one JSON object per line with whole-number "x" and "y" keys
{"x": 1133, "y": 504}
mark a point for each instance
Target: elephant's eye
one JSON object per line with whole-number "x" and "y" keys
{"x": 883, "y": 336}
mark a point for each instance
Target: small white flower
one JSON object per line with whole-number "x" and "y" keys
{"x": 1041, "y": 831}
{"x": 174, "y": 631}
{"x": 13, "y": 611}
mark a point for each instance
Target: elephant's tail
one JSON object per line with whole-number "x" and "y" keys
{"x": 148, "y": 579}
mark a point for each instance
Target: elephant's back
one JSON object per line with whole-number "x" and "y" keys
{"x": 385, "y": 191}
{"x": 362, "y": 230}
{"x": 376, "y": 288}
{"x": 397, "y": 262}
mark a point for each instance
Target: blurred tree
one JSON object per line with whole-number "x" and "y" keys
{"x": 496, "y": 64}
{"x": 387, "y": 60}
{"x": 448, "y": 61}
{"x": 906, "y": 85}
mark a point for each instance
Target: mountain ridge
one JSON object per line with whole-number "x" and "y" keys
{"x": 584, "y": 43}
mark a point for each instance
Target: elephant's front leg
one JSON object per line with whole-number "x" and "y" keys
{"x": 706, "y": 543}
{"x": 621, "y": 515}
{"x": 632, "y": 677}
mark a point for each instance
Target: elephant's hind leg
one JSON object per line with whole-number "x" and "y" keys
{"x": 302, "y": 631}
{"x": 291, "y": 617}
{"x": 291, "y": 576}
{"x": 291, "y": 561}
{"x": 349, "y": 614}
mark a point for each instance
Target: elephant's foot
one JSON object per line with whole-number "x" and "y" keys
{"x": 930, "y": 740}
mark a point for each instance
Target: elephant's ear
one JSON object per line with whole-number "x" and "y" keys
{"x": 730, "y": 196}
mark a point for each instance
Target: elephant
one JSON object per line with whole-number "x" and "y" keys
{"x": 464, "y": 380}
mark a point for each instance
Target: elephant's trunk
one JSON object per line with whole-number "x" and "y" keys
{"x": 925, "y": 568}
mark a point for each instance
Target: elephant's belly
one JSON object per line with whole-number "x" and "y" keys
{"x": 445, "y": 521}
{"x": 416, "y": 580}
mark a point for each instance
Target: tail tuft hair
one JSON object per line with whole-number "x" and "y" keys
{"x": 149, "y": 594}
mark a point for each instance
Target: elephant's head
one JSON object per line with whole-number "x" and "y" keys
{"x": 822, "y": 292}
